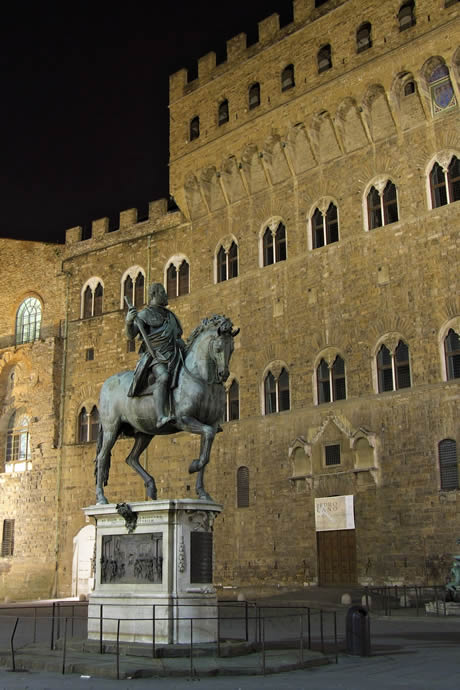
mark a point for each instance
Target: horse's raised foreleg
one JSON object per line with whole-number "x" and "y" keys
{"x": 140, "y": 444}
{"x": 207, "y": 434}
{"x": 105, "y": 442}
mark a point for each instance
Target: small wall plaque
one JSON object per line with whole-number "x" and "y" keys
{"x": 201, "y": 557}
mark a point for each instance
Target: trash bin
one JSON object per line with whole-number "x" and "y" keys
{"x": 358, "y": 631}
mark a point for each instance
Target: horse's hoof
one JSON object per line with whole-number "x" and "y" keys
{"x": 194, "y": 466}
{"x": 204, "y": 496}
{"x": 101, "y": 501}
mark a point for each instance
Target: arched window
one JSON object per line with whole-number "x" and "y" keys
{"x": 331, "y": 381}
{"x": 17, "y": 444}
{"x": 325, "y": 226}
{"x": 441, "y": 90}
{"x": 409, "y": 88}
{"x": 227, "y": 263}
{"x": 133, "y": 288}
{"x": 178, "y": 278}
{"x": 406, "y": 15}
{"x": 274, "y": 244}
{"x": 287, "y": 78}
{"x": 452, "y": 354}
{"x": 363, "y": 37}
{"x": 223, "y": 115}
{"x": 276, "y": 392}
{"x": 194, "y": 128}
{"x": 445, "y": 183}
{"x": 382, "y": 205}
{"x": 448, "y": 464}
{"x": 254, "y": 95}
{"x": 393, "y": 368}
{"x": 28, "y": 321}
{"x": 92, "y": 298}
{"x": 324, "y": 58}
{"x": 232, "y": 410}
{"x": 88, "y": 425}
{"x": 242, "y": 487}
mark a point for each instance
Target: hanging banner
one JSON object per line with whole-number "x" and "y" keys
{"x": 333, "y": 513}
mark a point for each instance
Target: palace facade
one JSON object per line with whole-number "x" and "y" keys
{"x": 317, "y": 180}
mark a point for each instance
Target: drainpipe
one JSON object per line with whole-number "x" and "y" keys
{"x": 60, "y": 438}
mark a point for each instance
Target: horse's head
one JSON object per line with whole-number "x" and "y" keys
{"x": 212, "y": 341}
{"x": 221, "y": 349}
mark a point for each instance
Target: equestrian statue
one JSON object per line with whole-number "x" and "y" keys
{"x": 175, "y": 386}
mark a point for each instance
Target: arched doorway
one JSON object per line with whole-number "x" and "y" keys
{"x": 83, "y": 561}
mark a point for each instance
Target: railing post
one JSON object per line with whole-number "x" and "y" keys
{"x": 58, "y": 632}
{"x": 335, "y": 638}
{"x": 218, "y": 631}
{"x": 191, "y": 648}
{"x": 436, "y": 597}
{"x": 301, "y": 638}
{"x": 13, "y": 663}
{"x": 52, "y": 625}
{"x": 309, "y": 626}
{"x": 65, "y": 646}
{"x": 416, "y": 599}
{"x": 154, "y": 648}
{"x": 321, "y": 629}
{"x": 101, "y": 610}
{"x": 263, "y": 643}
{"x": 35, "y": 624}
{"x": 73, "y": 616}
{"x": 118, "y": 649}
{"x": 246, "y": 620}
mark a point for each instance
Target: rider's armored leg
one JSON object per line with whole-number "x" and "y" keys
{"x": 161, "y": 395}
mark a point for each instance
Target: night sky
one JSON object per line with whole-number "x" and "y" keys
{"x": 84, "y": 103}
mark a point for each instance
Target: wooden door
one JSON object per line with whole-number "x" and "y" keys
{"x": 337, "y": 557}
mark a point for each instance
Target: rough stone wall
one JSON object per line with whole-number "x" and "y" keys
{"x": 30, "y": 379}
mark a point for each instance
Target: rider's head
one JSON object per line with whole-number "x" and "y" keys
{"x": 157, "y": 295}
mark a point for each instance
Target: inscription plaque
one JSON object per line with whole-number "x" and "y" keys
{"x": 201, "y": 557}
{"x": 132, "y": 558}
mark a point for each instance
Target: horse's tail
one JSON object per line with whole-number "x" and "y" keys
{"x": 106, "y": 467}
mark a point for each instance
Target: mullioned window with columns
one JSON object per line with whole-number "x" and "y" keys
{"x": 324, "y": 224}
{"x": 382, "y": 204}
{"x": 444, "y": 180}
{"x": 92, "y": 296}
{"x": 393, "y": 366}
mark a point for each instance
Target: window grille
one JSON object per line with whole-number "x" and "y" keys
{"x": 254, "y": 96}
{"x": 28, "y": 321}
{"x": 223, "y": 112}
{"x": 8, "y": 538}
{"x": 194, "y": 128}
{"x": 332, "y": 455}
{"x": 452, "y": 353}
{"x": 448, "y": 465}
{"x": 287, "y": 78}
{"x": 242, "y": 487}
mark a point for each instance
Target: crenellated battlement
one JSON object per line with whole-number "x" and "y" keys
{"x": 269, "y": 31}
{"x": 158, "y": 214}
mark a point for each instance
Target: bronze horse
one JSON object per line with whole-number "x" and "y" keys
{"x": 198, "y": 403}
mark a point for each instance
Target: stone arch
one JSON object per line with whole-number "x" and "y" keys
{"x": 350, "y": 125}
{"x": 378, "y": 113}
{"x": 83, "y": 561}
{"x": 210, "y": 186}
{"x": 253, "y": 169}
{"x": 193, "y": 197}
{"x": 324, "y": 137}
{"x": 406, "y": 96}
{"x": 299, "y": 149}
{"x": 275, "y": 159}
{"x": 232, "y": 180}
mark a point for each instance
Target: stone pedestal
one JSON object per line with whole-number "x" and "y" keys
{"x": 163, "y": 565}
